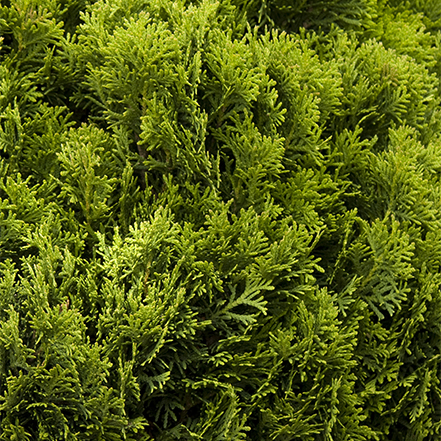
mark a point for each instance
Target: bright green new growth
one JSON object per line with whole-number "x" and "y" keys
{"x": 220, "y": 220}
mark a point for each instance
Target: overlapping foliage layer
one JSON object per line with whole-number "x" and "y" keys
{"x": 220, "y": 220}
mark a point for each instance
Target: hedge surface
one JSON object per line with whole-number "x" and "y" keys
{"x": 220, "y": 220}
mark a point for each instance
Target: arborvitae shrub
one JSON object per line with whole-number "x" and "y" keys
{"x": 220, "y": 220}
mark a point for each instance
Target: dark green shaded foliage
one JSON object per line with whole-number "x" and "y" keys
{"x": 220, "y": 220}
{"x": 352, "y": 15}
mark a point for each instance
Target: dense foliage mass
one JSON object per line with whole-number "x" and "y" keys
{"x": 220, "y": 220}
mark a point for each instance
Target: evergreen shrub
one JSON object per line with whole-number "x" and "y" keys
{"x": 220, "y": 220}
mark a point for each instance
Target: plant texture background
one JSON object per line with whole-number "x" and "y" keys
{"x": 220, "y": 220}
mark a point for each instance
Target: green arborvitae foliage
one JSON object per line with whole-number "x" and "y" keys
{"x": 220, "y": 220}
